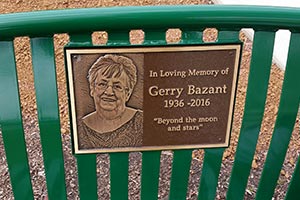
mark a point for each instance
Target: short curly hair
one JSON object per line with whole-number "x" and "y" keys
{"x": 110, "y": 66}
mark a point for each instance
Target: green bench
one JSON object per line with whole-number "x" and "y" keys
{"x": 154, "y": 21}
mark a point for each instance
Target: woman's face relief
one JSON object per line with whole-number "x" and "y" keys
{"x": 110, "y": 93}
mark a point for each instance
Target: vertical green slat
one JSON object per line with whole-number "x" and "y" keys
{"x": 81, "y": 40}
{"x": 294, "y": 187}
{"x": 48, "y": 114}
{"x": 182, "y": 158}
{"x": 119, "y": 176}
{"x": 210, "y": 173}
{"x": 191, "y": 37}
{"x": 254, "y": 109}
{"x": 213, "y": 157}
{"x": 180, "y": 173}
{"x": 150, "y": 175}
{"x": 87, "y": 176}
{"x": 118, "y": 161}
{"x": 86, "y": 164}
{"x": 151, "y": 159}
{"x": 287, "y": 112}
{"x": 11, "y": 124}
{"x": 228, "y": 36}
{"x": 118, "y": 38}
{"x": 157, "y": 37}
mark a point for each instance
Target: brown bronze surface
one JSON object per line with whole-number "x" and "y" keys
{"x": 183, "y": 97}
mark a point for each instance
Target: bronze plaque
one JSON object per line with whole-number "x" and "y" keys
{"x": 151, "y": 98}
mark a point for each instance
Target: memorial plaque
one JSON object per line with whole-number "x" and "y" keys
{"x": 151, "y": 98}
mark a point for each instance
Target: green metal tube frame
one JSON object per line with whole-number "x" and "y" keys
{"x": 154, "y": 20}
{"x": 75, "y": 21}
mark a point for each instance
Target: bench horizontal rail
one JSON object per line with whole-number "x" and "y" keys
{"x": 45, "y": 23}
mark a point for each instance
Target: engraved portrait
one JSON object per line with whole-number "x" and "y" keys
{"x": 112, "y": 79}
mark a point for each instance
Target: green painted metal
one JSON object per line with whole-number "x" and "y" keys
{"x": 254, "y": 108}
{"x": 182, "y": 158}
{"x": 11, "y": 124}
{"x": 87, "y": 176}
{"x": 286, "y": 117}
{"x": 229, "y": 36}
{"x": 294, "y": 187}
{"x": 119, "y": 162}
{"x": 86, "y": 164}
{"x": 154, "y": 21}
{"x": 180, "y": 173}
{"x": 151, "y": 159}
{"x": 81, "y": 39}
{"x": 210, "y": 173}
{"x": 118, "y": 38}
{"x": 213, "y": 157}
{"x": 150, "y": 175}
{"x": 48, "y": 114}
{"x": 161, "y": 17}
{"x": 191, "y": 37}
{"x": 119, "y": 176}
{"x": 155, "y": 37}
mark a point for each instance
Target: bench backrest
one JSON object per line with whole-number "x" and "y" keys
{"x": 154, "y": 21}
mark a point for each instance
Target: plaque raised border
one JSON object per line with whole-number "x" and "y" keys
{"x": 140, "y": 98}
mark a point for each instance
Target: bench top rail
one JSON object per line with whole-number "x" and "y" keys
{"x": 44, "y": 23}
